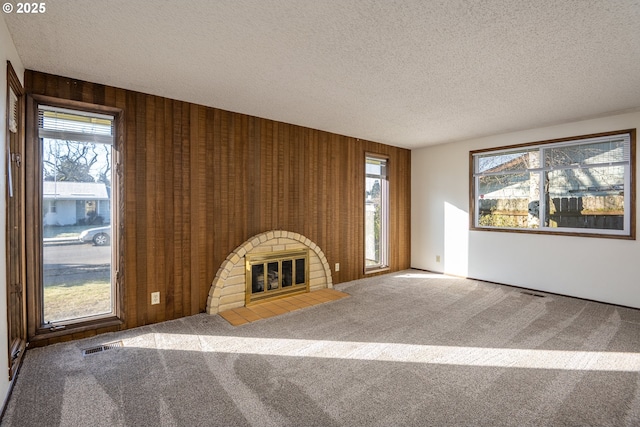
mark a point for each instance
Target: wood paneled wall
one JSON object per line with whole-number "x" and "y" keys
{"x": 199, "y": 181}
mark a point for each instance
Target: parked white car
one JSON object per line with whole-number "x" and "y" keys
{"x": 99, "y": 236}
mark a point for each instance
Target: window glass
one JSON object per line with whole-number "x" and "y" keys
{"x": 591, "y": 198}
{"x": 505, "y": 200}
{"x": 77, "y": 177}
{"x": 376, "y": 213}
{"x": 582, "y": 185}
{"x": 300, "y": 271}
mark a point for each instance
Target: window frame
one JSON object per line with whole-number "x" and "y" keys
{"x": 383, "y": 265}
{"x": 15, "y": 262}
{"x": 36, "y": 328}
{"x": 541, "y": 172}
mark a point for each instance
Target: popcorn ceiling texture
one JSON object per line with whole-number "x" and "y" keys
{"x": 408, "y": 73}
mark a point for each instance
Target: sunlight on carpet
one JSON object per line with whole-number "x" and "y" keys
{"x": 411, "y": 353}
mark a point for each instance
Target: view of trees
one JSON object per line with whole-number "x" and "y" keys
{"x": 76, "y": 162}
{"x": 579, "y": 184}
{"x": 373, "y": 196}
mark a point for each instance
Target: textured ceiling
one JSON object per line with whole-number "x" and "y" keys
{"x": 407, "y": 73}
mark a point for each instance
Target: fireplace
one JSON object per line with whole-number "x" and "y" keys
{"x": 271, "y": 264}
{"x": 276, "y": 274}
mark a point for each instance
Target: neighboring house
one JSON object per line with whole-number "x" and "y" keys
{"x": 71, "y": 203}
{"x": 569, "y": 183}
{"x": 582, "y": 186}
{"x": 370, "y": 243}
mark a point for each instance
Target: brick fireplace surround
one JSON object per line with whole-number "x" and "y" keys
{"x": 228, "y": 287}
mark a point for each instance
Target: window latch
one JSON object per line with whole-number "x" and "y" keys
{"x": 53, "y": 328}
{"x": 17, "y": 159}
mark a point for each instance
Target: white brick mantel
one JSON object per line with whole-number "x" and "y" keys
{"x": 228, "y": 287}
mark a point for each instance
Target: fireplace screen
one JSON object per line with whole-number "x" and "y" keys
{"x": 276, "y": 273}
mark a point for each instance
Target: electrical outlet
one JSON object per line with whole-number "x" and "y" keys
{"x": 155, "y": 298}
{"x": 337, "y": 266}
{"x": 437, "y": 258}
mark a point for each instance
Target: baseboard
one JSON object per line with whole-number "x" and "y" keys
{"x": 528, "y": 289}
{"x": 7, "y": 396}
{"x": 10, "y": 389}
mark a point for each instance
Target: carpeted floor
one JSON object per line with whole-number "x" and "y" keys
{"x": 406, "y": 349}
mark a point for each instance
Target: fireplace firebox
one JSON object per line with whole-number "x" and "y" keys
{"x": 276, "y": 274}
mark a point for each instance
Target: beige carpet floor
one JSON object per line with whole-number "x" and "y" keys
{"x": 405, "y": 349}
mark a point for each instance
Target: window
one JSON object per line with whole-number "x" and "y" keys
{"x": 582, "y": 185}
{"x": 376, "y": 214}
{"x": 15, "y": 232}
{"x": 75, "y": 157}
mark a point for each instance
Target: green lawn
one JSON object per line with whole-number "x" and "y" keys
{"x": 76, "y": 299}
{"x": 51, "y": 231}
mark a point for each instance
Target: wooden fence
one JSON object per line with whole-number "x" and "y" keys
{"x": 600, "y": 212}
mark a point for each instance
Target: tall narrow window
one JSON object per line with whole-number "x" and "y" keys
{"x": 78, "y": 217}
{"x": 15, "y": 241}
{"x": 376, "y": 214}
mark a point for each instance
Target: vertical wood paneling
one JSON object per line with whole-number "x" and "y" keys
{"x": 223, "y": 210}
{"x": 185, "y": 192}
{"x": 210, "y": 183}
{"x": 199, "y": 181}
{"x": 143, "y": 229}
{"x": 197, "y": 202}
{"x": 161, "y": 206}
{"x": 242, "y": 201}
{"x": 130, "y": 217}
{"x": 168, "y": 181}
{"x": 178, "y": 211}
{"x": 150, "y": 218}
{"x": 266, "y": 176}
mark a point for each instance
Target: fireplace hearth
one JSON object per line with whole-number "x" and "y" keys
{"x": 268, "y": 265}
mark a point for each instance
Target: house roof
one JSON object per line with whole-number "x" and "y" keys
{"x": 408, "y": 73}
{"x": 62, "y": 190}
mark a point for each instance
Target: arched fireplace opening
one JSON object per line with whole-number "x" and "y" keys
{"x": 270, "y": 265}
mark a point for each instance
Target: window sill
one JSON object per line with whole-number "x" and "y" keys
{"x": 44, "y": 334}
{"x": 374, "y": 270}
{"x": 557, "y": 232}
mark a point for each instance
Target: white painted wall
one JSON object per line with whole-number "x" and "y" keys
{"x": 7, "y": 52}
{"x": 605, "y": 270}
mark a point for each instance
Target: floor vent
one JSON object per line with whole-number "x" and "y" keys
{"x": 102, "y": 347}
{"x": 532, "y": 294}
